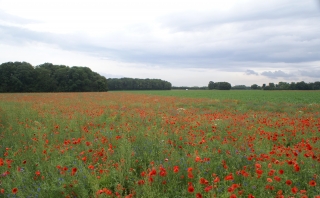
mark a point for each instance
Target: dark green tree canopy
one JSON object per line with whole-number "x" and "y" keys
{"x": 293, "y": 86}
{"x": 23, "y": 77}
{"x": 137, "y": 84}
{"x": 211, "y": 85}
{"x": 240, "y": 87}
{"x": 219, "y": 85}
{"x": 255, "y": 86}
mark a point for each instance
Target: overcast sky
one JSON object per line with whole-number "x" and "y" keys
{"x": 184, "y": 42}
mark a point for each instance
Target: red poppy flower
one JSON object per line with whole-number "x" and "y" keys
{"x": 230, "y": 189}
{"x": 203, "y": 181}
{"x": 303, "y": 191}
{"x": 233, "y": 196}
{"x": 198, "y": 195}
{"x": 141, "y": 182}
{"x": 151, "y": 179}
{"x": 190, "y": 175}
{"x": 296, "y": 167}
{"x": 208, "y": 188}
{"x": 312, "y": 183}
{"x": 152, "y": 172}
{"x": 74, "y": 170}
{"x": 277, "y": 178}
{"x": 269, "y": 180}
{"x": 229, "y": 177}
{"x": 289, "y": 182}
{"x": 163, "y": 173}
{"x": 190, "y": 189}
{"x": 216, "y": 180}
{"x": 271, "y": 172}
{"x": 176, "y": 169}
{"x": 14, "y": 190}
{"x": 259, "y": 171}
{"x": 258, "y": 165}
{"x": 294, "y": 190}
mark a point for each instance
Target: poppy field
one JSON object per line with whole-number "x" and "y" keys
{"x": 121, "y": 144}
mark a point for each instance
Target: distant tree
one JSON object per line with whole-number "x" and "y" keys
{"x": 211, "y": 85}
{"x": 283, "y": 85}
{"x": 268, "y": 88}
{"x": 138, "y": 84}
{"x": 302, "y": 86}
{"x": 316, "y": 85}
{"x": 224, "y": 86}
{"x": 240, "y": 87}
{"x": 219, "y": 85}
{"x": 23, "y": 77}
{"x": 263, "y": 86}
{"x": 272, "y": 85}
{"x": 44, "y": 80}
{"x": 254, "y": 86}
{"x": 292, "y": 86}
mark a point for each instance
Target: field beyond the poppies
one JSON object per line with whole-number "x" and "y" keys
{"x": 149, "y": 144}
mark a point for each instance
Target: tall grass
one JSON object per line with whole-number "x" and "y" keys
{"x": 119, "y": 144}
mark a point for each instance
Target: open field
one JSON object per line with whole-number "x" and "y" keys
{"x": 128, "y": 144}
{"x": 244, "y": 95}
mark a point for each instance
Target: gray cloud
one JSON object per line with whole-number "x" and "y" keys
{"x": 277, "y": 74}
{"x": 21, "y": 36}
{"x": 286, "y": 33}
{"x": 251, "y": 72}
{"x": 197, "y": 21}
{"x": 311, "y": 73}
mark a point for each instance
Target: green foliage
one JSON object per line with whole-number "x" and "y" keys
{"x": 293, "y": 86}
{"x": 211, "y": 85}
{"x": 255, "y": 86}
{"x": 23, "y": 77}
{"x": 243, "y": 87}
{"x": 219, "y": 85}
{"x": 138, "y": 84}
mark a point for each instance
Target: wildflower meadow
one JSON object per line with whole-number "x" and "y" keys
{"x": 120, "y": 144}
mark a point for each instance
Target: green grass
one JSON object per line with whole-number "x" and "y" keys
{"x": 108, "y": 144}
{"x": 295, "y": 97}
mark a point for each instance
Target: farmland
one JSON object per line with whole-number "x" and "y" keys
{"x": 249, "y": 96}
{"x": 160, "y": 144}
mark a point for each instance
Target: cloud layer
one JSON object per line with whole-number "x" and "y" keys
{"x": 249, "y": 37}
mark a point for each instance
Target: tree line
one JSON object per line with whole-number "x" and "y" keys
{"x": 23, "y": 77}
{"x": 271, "y": 86}
{"x": 219, "y": 85}
{"x": 289, "y": 86}
{"x": 137, "y": 84}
